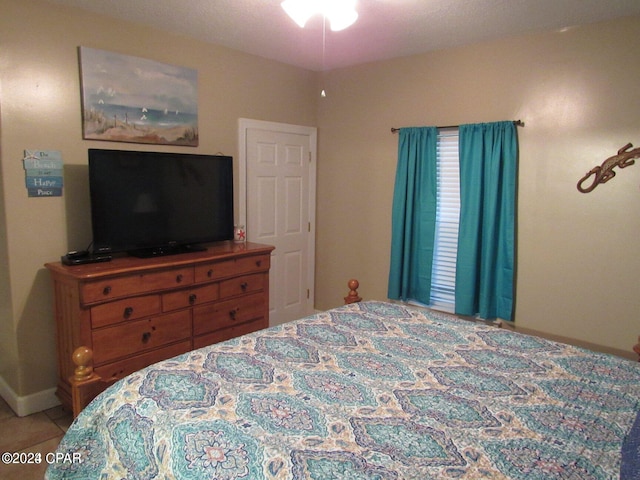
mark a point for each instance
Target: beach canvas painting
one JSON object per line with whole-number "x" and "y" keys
{"x": 131, "y": 99}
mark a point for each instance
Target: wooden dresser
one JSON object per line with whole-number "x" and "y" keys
{"x": 133, "y": 312}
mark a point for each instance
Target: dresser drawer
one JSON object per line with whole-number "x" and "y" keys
{"x": 242, "y": 285}
{"x": 124, "y": 310}
{"x": 190, "y": 297}
{"x": 228, "y": 333}
{"x": 233, "y": 267}
{"x": 122, "y": 368}
{"x": 129, "y": 338}
{"x": 215, "y": 316}
{"x": 116, "y": 287}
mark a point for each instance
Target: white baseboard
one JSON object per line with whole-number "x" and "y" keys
{"x": 23, "y": 406}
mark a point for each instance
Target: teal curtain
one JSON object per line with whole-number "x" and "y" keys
{"x": 486, "y": 241}
{"x": 414, "y": 215}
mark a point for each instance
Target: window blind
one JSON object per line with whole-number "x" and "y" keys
{"x": 443, "y": 277}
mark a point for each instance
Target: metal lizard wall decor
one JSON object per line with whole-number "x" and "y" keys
{"x": 603, "y": 173}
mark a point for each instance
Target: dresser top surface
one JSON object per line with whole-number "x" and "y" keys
{"x": 122, "y": 264}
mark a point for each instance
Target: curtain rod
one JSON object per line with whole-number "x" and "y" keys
{"x": 517, "y": 123}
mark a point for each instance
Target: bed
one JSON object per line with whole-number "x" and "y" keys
{"x": 369, "y": 390}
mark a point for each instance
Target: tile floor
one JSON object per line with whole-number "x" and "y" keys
{"x": 40, "y": 432}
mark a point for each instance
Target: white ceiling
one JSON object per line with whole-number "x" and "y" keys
{"x": 385, "y": 28}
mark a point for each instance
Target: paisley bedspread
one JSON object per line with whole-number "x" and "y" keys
{"x": 366, "y": 391}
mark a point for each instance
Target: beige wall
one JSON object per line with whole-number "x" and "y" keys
{"x": 40, "y": 108}
{"x": 577, "y": 91}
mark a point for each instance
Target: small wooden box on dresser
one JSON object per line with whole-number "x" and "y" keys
{"x": 133, "y": 312}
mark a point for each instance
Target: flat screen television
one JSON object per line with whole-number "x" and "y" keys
{"x": 150, "y": 203}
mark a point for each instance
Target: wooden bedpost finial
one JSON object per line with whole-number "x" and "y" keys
{"x": 83, "y": 358}
{"x": 353, "y": 297}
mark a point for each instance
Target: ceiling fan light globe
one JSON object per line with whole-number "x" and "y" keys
{"x": 342, "y": 20}
{"x": 299, "y": 11}
{"x": 340, "y": 13}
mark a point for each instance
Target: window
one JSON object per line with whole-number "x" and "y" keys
{"x": 449, "y": 181}
{"x": 443, "y": 279}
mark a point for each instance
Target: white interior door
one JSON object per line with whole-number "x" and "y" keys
{"x": 279, "y": 194}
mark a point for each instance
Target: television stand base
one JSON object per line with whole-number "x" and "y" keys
{"x": 167, "y": 250}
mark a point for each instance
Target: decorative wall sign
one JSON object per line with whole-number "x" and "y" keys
{"x": 131, "y": 99}
{"x": 43, "y": 171}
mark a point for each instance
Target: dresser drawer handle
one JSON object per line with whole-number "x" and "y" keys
{"x": 192, "y": 298}
{"x": 127, "y": 312}
{"x": 210, "y": 273}
{"x": 258, "y": 263}
{"x": 146, "y": 336}
{"x": 106, "y": 290}
{"x": 179, "y": 278}
{"x": 244, "y": 286}
{"x": 233, "y": 313}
